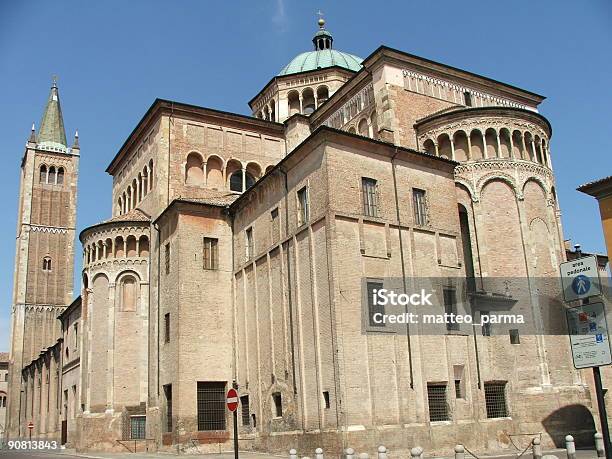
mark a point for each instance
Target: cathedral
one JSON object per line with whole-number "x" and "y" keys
{"x": 239, "y": 249}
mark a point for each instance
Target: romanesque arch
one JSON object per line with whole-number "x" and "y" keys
{"x": 501, "y": 235}
{"x": 194, "y": 169}
{"x": 214, "y": 172}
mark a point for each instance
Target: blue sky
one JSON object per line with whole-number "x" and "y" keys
{"x": 114, "y": 58}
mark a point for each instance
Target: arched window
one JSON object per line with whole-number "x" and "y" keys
{"x": 308, "y": 101}
{"x": 128, "y": 293}
{"x": 46, "y": 265}
{"x": 60, "y": 176}
{"x": 150, "y": 175}
{"x": 43, "y": 174}
{"x": 51, "y": 178}
{"x": 236, "y": 181}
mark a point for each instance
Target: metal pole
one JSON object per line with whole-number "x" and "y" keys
{"x": 603, "y": 416}
{"x": 236, "y": 434}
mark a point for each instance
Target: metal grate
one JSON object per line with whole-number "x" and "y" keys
{"x": 495, "y": 399}
{"x": 167, "y": 327}
{"x": 244, "y": 410}
{"x": 138, "y": 426}
{"x": 436, "y": 398}
{"x": 211, "y": 406}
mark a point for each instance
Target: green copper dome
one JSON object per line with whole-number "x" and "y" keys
{"x": 323, "y": 56}
{"x": 314, "y": 60}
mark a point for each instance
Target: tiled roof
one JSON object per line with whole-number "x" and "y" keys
{"x": 595, "y": 183}
{"x": 210, "y": 197}
{"x": 134, "y": 215}
{"x": 4, "y": 356}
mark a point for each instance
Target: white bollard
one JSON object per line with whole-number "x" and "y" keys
{"x": 364, "y": 456}
{"x": 459, "y": 452}
{"x": 416, "y": 452}
{"x": 599, "y": 445}
{"x": 382, "y": 452}
{"x": 349, "y": 453}
{"x": 318, "y": 453}
{"x": 570, "y": 447}
{"x": 292, "y": 454}
{"x": 536, "y": 448}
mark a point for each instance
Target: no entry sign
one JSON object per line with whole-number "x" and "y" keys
{"x": 30, "y": 425}
{"x": 232, "y": 400}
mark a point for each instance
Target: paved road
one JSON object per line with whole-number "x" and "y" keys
{"x": 67, "y": 454}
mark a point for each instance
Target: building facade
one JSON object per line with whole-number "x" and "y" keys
{"x": 237, "y": 252}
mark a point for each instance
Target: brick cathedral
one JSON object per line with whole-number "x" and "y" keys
{"x": 236, "y": 254}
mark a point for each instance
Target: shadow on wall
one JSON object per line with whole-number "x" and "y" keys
{"x": 575, "y": 420}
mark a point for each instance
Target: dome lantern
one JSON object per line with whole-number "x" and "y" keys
{"x": 322, "y": 39}
{"x": 322, "y": 56}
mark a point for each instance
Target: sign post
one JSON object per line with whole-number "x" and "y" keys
{"x": 30, "y": 428}
{"x": 588, "y": 328}
{"x": 232, "y": 405}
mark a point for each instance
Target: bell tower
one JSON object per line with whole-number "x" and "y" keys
{"x": 44, "y": 259}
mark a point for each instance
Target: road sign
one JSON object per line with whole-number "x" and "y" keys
{"x": 232, "y": 400}
{"x": 589, "y": 338}
{"x": 580, "y": 278}
{"x": 30, "y": 425}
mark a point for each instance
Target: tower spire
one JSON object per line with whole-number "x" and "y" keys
{"x": 52, "y": 133}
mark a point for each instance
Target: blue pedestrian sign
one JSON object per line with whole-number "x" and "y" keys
{"x": 581, "y": 285}
{"x": 580, "y": 278}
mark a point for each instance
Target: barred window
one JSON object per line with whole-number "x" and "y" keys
{"x": 211, "y": 406}
{"x": 515, "y": 337}
{"x": 450, "y": 307}
{"x": 303, "y": 209}
{"x": 244, "y": 410}
{"x": 138, "y": 427}
{"x": 370, "y": 196}
{"x": 495, "y": 399}
{"x": 167, "y": 257}
{"x": 168, "y": 394}
{"x": 420, "y": 207}
{"x": 167, "y": 327}
{"x": 211, "y": 253}
{"x": 436, "y": 398}
{"x": 373, "y": 308}
{"x": 249, "y": 243}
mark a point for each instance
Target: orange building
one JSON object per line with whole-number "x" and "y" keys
{"x": 602, "y": 191}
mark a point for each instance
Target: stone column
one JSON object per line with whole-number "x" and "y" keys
{"x": 511, "y": 146}
{"x": 301, "y": 109}
{"x": 244, "y": 169}
{"x": 110, "y": 356}
{"x": 485, "y": 153}
{"x": 452, "y": 144}
{"x": 469, "y": 144}
{"x": 498, "y": 144}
